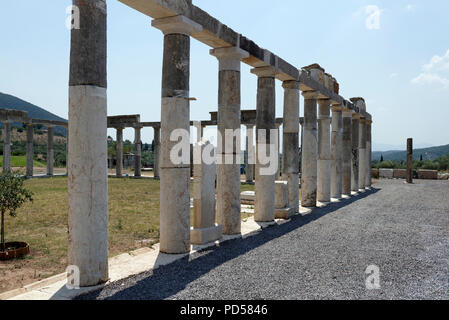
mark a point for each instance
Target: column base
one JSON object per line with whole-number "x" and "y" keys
{"x": 205, "y": 235}
{"x": 284, "y": 213}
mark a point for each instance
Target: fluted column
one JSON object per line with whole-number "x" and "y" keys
{"x": 7, "y": 147}
{"x": 355, "y": 153}
{"x": 324, "y": 152}
{"x": 265, "y": 123}
{"x": 30, "y": 150}
{"x": 309, "y": 151}
{"x": 250, "y": 154}
{"x": 119, "y": 153}
{"x": 50, "y": 151}
{"x": 137, "y": 152}
{"x": 157, "y": 152}
{"x": 175, "y": 117}
{"x": 228, "y": 149}
{"x": 290, "y": 140}
{"x": 337, "y": 152}
{"x": 88, "y": 185}
{"x": 362, "y": 153}
{"x": 347, "y": 152}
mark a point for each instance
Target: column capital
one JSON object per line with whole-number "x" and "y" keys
{"x": 229, "y": 58}
{"x": 177, "y": 24}
{"x": 324, "y": 101}
{"x": 355, "y": 116}
{"x": 336, "y": 108}
{"x": 291, "y": 84}
{"x": 347, "y": 113}
{"x": 264, "y": 72}
{"x": 310, "y": 95}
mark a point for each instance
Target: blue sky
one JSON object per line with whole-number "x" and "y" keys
{"x": 399, "y": 62}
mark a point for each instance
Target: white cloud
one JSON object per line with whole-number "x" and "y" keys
{"x": 435, "y": 72}
{"x": 372, "y": 22}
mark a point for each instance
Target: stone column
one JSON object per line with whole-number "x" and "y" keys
{"x": 355, "y": 153}
{"x": 157, "y": 152}
{"x": 265, "y": 122}
{"x": 7, "y": 147}
{"x": 137, "y": 152}
{"x": 410, "y": 160}
{"x": 175, "y": 116}
{"x": 50, "y": 150}
{"x": 347, "y": 152}
{"x": 368, "y": 154}
{"x": 67, "y": 153}
{"x": 228, "y": 149}
{"x": 119, "y": 153}
{"x": 278, "y": 171}
{"x": 337, "y": 152}
{"x": 251, "y": 154}
{"x": 309, "y": 151}
{"x": 30, "y": 150}
{"x": 362, "y": 153}
{"x": 290, "y": 141}
{"x": 88, "y": 185}
{"x": 324, "y": 152}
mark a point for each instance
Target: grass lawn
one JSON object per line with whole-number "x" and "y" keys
{"x": 20, "y": 161}
{"x": 133, "y": 217}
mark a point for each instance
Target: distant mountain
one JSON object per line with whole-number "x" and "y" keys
{"x": 11, "y": 102}
{"x": 431, "y": 153}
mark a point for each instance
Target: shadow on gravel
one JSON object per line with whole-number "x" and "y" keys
{"x": 170, "y": 279}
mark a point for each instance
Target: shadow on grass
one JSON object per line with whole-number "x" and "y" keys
{"x": 170, "y": 279}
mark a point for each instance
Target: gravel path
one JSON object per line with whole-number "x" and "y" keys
{"x": 402, "y": 229}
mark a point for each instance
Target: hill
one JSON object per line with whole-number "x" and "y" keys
{"x": 431, "y": 153}
{"x": 11, "y": 102}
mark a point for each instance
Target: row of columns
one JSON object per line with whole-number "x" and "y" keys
{"x": 29, "y": 149}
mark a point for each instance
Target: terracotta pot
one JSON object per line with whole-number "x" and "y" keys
{"x": 14, "y": 250}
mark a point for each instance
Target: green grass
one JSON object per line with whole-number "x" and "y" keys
{"x": 20, "y": 161}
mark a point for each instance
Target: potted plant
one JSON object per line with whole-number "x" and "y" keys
{"x": 12, "y": 196}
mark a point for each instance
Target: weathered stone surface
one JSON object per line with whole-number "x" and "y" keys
{"x": 88, "y": 49}
{"x": 281, "y": 194}
{"x": 428, "y": 174}
{"x": 176, "y": 66}
{"x": 409, "y": 171}
{"x": 347, "y": 153}
{"x": 375, "y": 173}
{"x": 355, "y": 154}
{"x": 362, "y": 153}
{"x": 228, "y": 198}
{"x": 137, "y": 152}
{"x": 250, "y": 154}
{"x": 337, "y": 153}
{"x": 399, "y": 173}
{"x": 386, "y": 173}
{"x": 290, "y": 156}
{"x": 324, "y": 152}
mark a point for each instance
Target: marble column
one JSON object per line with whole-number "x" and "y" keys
{"x": 137, "y": 152}
{"x": 30, "y": 150}
{"x": 290, "y": 141}
{"x": 265, "y": 122}
{"x": 355, "y": 153}
{"x": 337, "y": 152}
{"x": 250, "y": 154}
{"x": 310, "y": 151}
{"x": 362, "y": 153}
{"x": 157, "y": 152}
{"x": 409, "y": 161}
{"x": 228, "y": 148}
{"x": 175, "y": 118}
{"x": 7, "y": 147}
{"x": 368, "y": 154}
{"x": 50, "y": 150}
{"x": 278, "y": 171}
{"x": 87, "y": 181}
{"x": 324, "y": 151}
{"x": 119, "y": 153}
{"x": 347, "y": 152}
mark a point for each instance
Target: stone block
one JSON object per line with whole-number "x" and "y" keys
{"x": 400, "y": 174}
{"x": 205, "y": 235}
{"x": 248, "y": 197}
{"x": 281, "y": 194}
{"x": 386, "y": 173}
{"x": 428, "y": 174}
{"x": 375, "y": 173}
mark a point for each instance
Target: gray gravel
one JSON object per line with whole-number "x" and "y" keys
{"x": 402, "y": 229}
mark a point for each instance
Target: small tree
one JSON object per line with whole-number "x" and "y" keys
{"x": 12, "y": 196}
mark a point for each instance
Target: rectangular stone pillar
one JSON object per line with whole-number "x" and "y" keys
{"x": 137, "y": 152}
{"x": 30, "y": 150}
{"x": 119, "y": 153}
{"x": 337, "y": 153}
{"x": 157, "y": 152}
{"x": 347, "y": 153}
{"x": 290, "y": 140}
{"x": 278, "y": 171}
{"x": 50, "y": 151}
{"x": 410, "y": 160}
{"x": 362, "y": 154}
{"x": 228, "y": 149}
{"x": 265, "y": 123}
{"x": 324, "y": 152}
{"x": 87, "y": 181}
{"x": 310, "y": 151}
{"x": 7, "y": 147}
{"x": 355, "y": 153}
{"x": 250, "y": 154}
{"x": 175, "y": 120}
{"x": 368, "y": 154}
